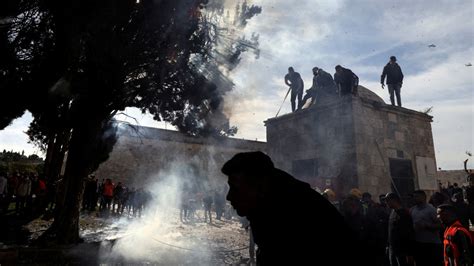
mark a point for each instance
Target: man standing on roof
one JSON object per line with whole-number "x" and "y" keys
{"x": 394, "y": 75}
{"x": 295, "y": 82}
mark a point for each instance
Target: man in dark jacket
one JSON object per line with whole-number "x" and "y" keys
{"x": 346, "y": 81}
{"x": 291, "y": 223}
{"x": 295, "y": 82}
{"x": 400, "y": 233}
{"x": 394, "y": 75}
{"x": 323, "y": 87}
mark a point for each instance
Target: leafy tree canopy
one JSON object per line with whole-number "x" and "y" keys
{"x": 67, "y": 61}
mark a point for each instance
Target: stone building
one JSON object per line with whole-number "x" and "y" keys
{"x": 446, "y": 178}
{"x": 142, "y": 154}
{"x": 355, "y": 142}
{"x": 350, "y": 142}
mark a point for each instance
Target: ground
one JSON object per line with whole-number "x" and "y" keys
{"x": 158, "y": 238}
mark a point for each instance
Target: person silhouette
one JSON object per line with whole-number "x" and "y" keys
{"x": 295, "y": 82}
{"x": 291, "y": 223}
{"x": 394, "y": 75}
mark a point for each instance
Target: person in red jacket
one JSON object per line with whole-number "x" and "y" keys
{"x": 108, "y": 193}
{"x": 458, "y": 241}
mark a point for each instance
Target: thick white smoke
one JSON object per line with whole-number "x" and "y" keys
{"x": 156, "y": 236}
{"x": 160, "y": 237}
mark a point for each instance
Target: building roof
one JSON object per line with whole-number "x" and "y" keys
{"x": 367, "y": 97}
{"x": 367, "y": 94}
{"x": 142, "y": 132}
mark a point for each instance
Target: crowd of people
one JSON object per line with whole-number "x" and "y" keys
{"x": 117, "y": 199}
{"x": 422, "y": 229}
{"x": 34, "y": 196}
{"x": 209, "y": 201}
{"x": 27, "y": 191}
{"x": 30, "y": 195}
{"x": 395, "y": 231}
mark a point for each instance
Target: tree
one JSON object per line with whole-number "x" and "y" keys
{"x": 8, "y": 69}
{"x": 78, "y": 63}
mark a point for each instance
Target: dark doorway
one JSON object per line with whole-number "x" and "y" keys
{"x": 401, "y": 172}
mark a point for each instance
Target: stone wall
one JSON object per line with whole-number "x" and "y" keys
{"x": 139, "y": 156}
{"x": 385, "y": 133}
{"x": 341, "y": 144}
{"x": 323, "y": 137}
{"x": 355, "y": 141}
{"x": 449, "y": 177}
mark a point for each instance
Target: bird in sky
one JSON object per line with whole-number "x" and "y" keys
{"x": 468, "y": 64}
{"x": 431, "y": 46}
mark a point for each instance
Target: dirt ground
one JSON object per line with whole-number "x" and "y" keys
{"x": 154, "y": 239}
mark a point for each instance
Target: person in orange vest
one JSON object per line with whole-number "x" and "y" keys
{"x": 458, "y": 242}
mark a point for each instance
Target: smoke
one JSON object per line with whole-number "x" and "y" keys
{"x": 159, "y": 236}
{"x": 224, "y": 23}
{"x": 137, "y": 242}
{"x": 141, "y": 239}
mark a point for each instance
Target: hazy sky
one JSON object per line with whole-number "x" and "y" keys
{"x": 360, "y": 35}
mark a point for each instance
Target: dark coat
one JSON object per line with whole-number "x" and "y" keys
{"x": 295, "y": 225}
{"x": 401, "y": 234}
{"x": 296, "y": 81}
{"x": 325, "y": 83}
{"x": 347, "y": 80}
{"x": 393, "y": 72}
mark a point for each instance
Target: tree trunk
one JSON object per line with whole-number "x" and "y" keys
{"x": 49, "y": 157}
{"x": 62, "y": 145}
{"x": 58, "y": 143}
{"x": 65, "y": 228}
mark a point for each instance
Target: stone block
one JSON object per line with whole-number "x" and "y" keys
{"x": 391, "y": 153}
{"x": 420, "y": 132}
{"x": 392, "y": 117}
{"x": 373, "y": 181}
{"x": 388, "y": 143}
{"x": 367, "y": 131}
{"x": 399, "y": 136}
{"x": 377, "y": 160}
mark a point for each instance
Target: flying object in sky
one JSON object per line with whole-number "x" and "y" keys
{"x": 431, "y": 46}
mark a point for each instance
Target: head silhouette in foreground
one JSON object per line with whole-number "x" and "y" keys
{"x": 290, "y": 222}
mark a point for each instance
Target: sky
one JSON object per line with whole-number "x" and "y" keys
{"x": 360, "y": 35}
